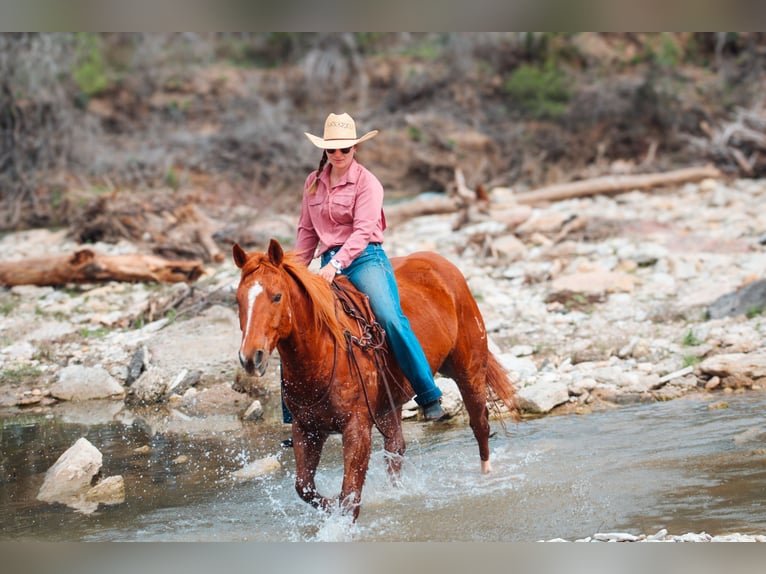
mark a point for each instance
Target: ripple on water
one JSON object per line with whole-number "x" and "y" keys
{"x": 638, "y": 469}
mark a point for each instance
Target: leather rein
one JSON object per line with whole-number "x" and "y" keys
{"x": 372, "y": 338}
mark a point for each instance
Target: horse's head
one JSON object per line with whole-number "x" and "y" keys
{"x": 262, "y": 296}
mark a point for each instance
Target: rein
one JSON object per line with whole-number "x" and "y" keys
{"x": 372, "y": 338}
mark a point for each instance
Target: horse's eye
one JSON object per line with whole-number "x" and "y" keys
{"x": 277, "y": 298}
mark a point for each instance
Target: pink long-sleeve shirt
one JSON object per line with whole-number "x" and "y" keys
{"x": 348, "y": 214}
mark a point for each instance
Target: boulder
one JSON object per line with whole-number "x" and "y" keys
{"x": 80, "y": 383}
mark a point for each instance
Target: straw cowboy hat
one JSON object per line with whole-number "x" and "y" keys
{"x": 339, "y": 132}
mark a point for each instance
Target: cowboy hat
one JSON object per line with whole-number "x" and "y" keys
{"x": 339, "y": 132}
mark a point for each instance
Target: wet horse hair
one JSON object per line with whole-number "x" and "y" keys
{"x": 285, "y": 306}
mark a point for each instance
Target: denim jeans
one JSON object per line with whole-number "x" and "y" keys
{"x": 372, "y": 274}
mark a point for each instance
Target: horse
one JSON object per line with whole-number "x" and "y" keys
{"x": 333, "y": 383}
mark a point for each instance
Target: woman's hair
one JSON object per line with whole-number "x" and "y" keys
{"x": 322, "y": 163}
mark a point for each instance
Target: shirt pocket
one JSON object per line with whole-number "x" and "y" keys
{"x": 316, "y": 208}
{"x": 342, "y": 206}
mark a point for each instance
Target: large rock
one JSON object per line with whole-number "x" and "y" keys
{"x": 542, "y": 397}
{"x": 69, "y": 480}
{"x": 595, "y": 282}
{"x": 80, "y": 383}
{"x": 70, "y": 476}
{"x": 748, "y": 299}
{"x": 751, "y": 365}
{"x": 257, "y": 468}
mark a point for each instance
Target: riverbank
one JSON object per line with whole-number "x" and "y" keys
{"x": 589, "y": 303}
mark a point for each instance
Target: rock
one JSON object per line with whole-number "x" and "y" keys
{"x": 150, "y": 386}
{"x": 520, "y": 368}
{"x": 615, "y": 537}
{"x": 257, "y": 468}
{"x": 182, "y": 382}
{"x": 209, "y": 341}
{"x": 594, "y": 282}
{"x": 109, "y": 491}
{"x": 508, "y": 248}
{"x": 753, "y": 434}
{"x": 80, "y": 383}
{"x": 452, "y": 401}
{"x": 19, "y": 351}
{"x": 254, "y": 412}
{"x": 139, "y": 362}
{"x": 69, "y": 480}
{"x": 750, "y": 365}
{"x": 658, "y": 536}
{"x": 747, "y": 299}
{"x": 542, "y": 397}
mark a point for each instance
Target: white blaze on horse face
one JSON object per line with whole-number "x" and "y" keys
{"x": 252, "y": 294}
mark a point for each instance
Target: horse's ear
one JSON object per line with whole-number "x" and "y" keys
{"x": 240, "y": 257}
{"x": 276, "y": 254}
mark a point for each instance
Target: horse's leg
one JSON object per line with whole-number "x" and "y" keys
{"x": 307, "y": 447}
{"x": 393, "y": 442}
{"x": 471, "y": 382}
{"x": 357, "y": 441}
{"x": 475, "y": 401}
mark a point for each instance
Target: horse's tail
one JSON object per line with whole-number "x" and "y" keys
{"x": 500, "y": 384}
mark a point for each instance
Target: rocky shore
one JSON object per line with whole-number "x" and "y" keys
{"x": 589, "y": 302}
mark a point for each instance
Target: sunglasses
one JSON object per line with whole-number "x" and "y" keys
{"x": 343, "y": 150}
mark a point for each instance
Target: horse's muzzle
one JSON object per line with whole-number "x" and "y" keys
{"x": 255, "y": 364}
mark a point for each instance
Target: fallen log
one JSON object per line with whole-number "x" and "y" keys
{"x": 86, "y": 266}
{"x": 401, "y": 212}
{"x": 616, "y": 184}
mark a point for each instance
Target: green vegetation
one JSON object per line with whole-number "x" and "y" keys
{"x": 691, "y": 340}
{"x": 96, "y": 333}
{"x": 542, "y": 92}
{"x": 13, "y": 374}
{"x": 755, "y": 311}
{"x": 665, "y": 53}
{"x": 172, "y": 179}
{"x": 90, "y": 71}
{"x": 7, "y": 306}
{"x": 691, "y": 360}
{"x": 428, "y": 47}
{"x": 58, "y": 315}
{"x": 414, "y": 133}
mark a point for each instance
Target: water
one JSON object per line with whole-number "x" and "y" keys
{"x": 678, "y": 465}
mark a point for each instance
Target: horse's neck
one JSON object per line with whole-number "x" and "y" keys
{"x": 306, "y": 342}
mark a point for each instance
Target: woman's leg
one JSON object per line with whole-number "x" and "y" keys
{"x": 372, "y": 274}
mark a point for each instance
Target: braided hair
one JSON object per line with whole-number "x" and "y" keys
{"x": 322, "y": 163}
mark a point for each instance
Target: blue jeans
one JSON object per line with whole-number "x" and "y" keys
{"x": 372, "y": 274}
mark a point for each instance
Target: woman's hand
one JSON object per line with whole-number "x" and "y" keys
{"x": 327, "y": 273}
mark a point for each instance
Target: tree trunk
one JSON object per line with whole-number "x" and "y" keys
{"x": 86, "y": 266}
{"x": 616, "y": 183}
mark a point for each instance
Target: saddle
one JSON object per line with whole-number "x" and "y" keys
{"x": 356, "y": 305}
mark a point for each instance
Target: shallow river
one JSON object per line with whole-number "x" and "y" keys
{"x": 679, "y": 465}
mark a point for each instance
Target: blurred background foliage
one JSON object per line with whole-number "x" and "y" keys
{"x": 147, "y": 111}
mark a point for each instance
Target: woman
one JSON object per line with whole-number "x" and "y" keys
{"x": 342, "y": 221}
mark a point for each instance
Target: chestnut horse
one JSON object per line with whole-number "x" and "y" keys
{"x": 330, "y": 386}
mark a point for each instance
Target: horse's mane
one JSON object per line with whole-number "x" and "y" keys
{"x": 320, "y": 295}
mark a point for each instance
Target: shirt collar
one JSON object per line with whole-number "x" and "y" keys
{"x": 351, "y": 175}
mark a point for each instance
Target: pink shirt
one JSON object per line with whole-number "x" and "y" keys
{"x": 349, "y": 214}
